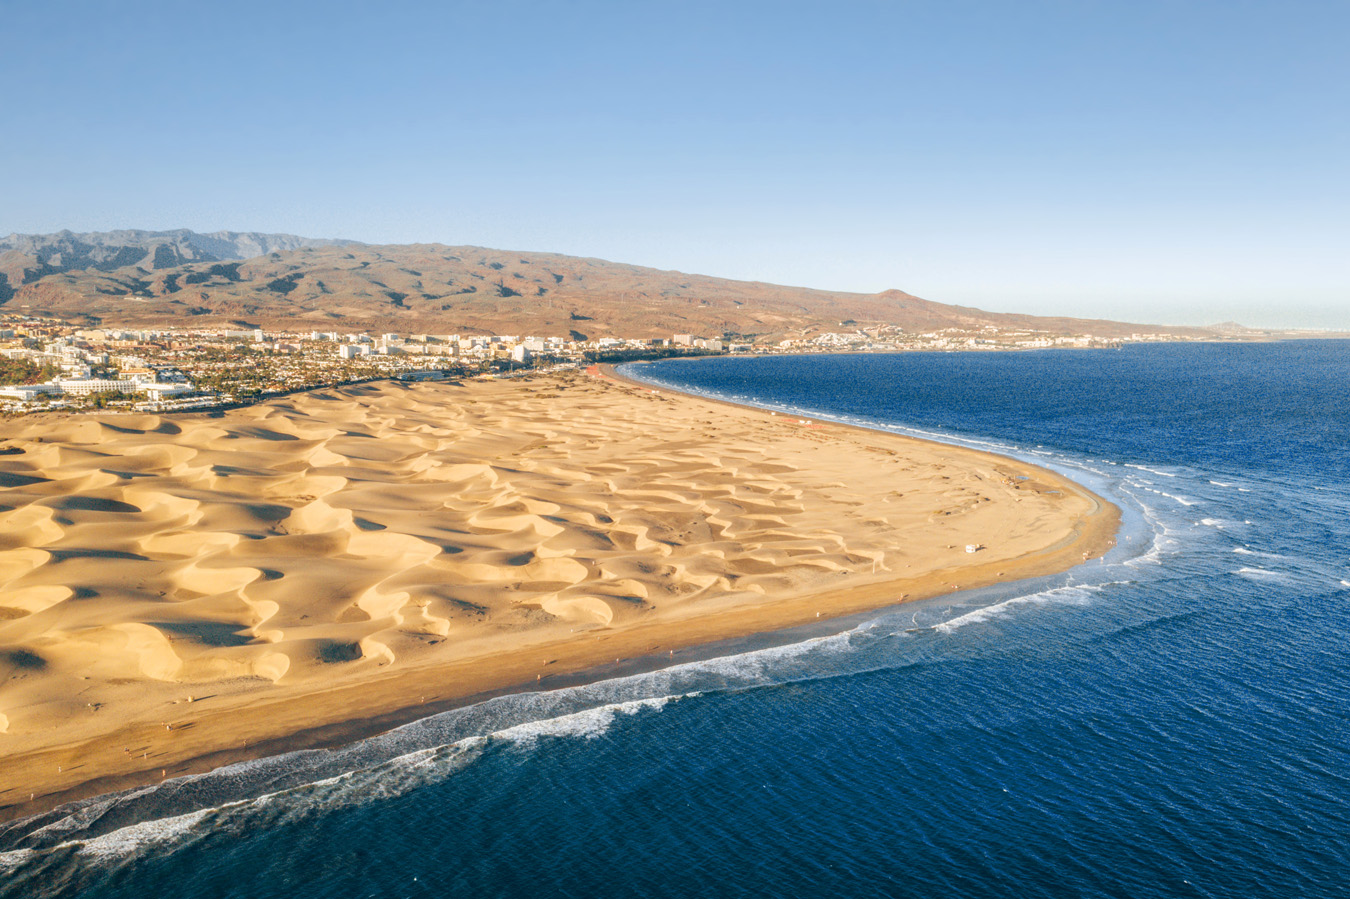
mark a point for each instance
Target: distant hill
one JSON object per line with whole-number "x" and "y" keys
{"x": 161, "y": 278}
{"x": 25, "y": 258}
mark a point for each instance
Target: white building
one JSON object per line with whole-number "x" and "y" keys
{"x": 27, "y": 392}
{"x": 87, "y": 386}
{"x": 158, "y": 391}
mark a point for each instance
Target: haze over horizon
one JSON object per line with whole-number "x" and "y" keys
{"x": 1179, "y": 164}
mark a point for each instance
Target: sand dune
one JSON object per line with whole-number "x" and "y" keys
{"x": 173, "y": 587}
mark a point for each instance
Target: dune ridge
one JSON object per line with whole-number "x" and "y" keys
{"x": 174, "y": 589}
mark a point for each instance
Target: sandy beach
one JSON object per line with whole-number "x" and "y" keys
{"x": 179, "y": 592}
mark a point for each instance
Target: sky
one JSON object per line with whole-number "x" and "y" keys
{"x": 1154, "y": 160}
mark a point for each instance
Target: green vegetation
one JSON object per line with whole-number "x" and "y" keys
{"x": 656, "y": 352}
{"x": 104, "y": 398}
{"x": 25, "y": 371}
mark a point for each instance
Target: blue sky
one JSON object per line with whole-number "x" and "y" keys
{"x": 1182, "y": 162}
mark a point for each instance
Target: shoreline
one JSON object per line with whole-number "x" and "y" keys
{"x": 379, "y": 702}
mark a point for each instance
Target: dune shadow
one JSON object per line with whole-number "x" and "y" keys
{"x": 13, "y": 479}
{"x": 127, "y": 475}
{"x": 62, "y": 555}
{"x": 92, "y": 504}
{"x": 236, "y": 471}
{"x": 267, "y": 511}
{"x": 209, "y": 633}
{"x": 260, "y": 433}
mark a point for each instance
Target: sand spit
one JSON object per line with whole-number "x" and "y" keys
{"x": 176, "y": 590}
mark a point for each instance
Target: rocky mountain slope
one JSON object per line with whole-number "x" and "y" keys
{"x": 43, "y": 254}
{"x": 182, "y": 278}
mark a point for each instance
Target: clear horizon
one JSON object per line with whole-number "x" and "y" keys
{"x": 1161, "y": 162}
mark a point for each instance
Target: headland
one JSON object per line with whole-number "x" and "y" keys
{"x": 181, "y": 592}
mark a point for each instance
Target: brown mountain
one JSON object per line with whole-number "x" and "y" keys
{"x": 146, "y": 279}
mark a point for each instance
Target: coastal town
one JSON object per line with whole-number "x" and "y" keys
{"x": 48, "y": 364}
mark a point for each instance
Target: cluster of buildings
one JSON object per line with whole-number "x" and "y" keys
{"x": 171, "y": 369}
{"x": 454, "y": 346}
{"x": 486, "y": 348}
{"x": 82, "y": 370}
{"x": 889, "y": 338}
{"x": 166, "y": 369}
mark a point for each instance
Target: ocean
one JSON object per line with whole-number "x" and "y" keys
{"x": 1171, "y": 720}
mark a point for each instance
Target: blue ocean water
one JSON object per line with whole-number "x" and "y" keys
{"x": 1173, "y": 720}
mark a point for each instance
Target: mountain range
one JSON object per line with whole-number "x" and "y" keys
{"x": 183, "y": 278}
